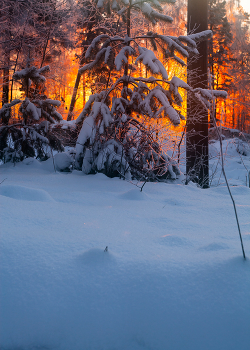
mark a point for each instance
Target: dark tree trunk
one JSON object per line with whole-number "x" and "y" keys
{"x": 6, "y": 77}
{"x": 128, "y": 34}
{"x": 73, "y": 99}
{"x": 6, "y": 54}
{"x": 5, "y": 98}
{"x": 197, "y": 167}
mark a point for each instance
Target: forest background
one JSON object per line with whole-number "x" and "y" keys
{"x": 58, "y": 33}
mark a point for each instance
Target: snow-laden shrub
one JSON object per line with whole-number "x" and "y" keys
{"x": 242, "y": 147}
{"x": 117, "y": 136}
{"x": 114, "y": 139}
{"x": 18, "y": 142}
{"x": 119, "y": 145}
{"x": 32, "y": 136}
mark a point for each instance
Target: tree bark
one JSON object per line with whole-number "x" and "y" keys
{"x": 5, "y": 97}
{"x": 197, "y": 166}
{"x": 128, "y": 34}
{"x": 6, "y": 76}
{"x": 73, "y": 99}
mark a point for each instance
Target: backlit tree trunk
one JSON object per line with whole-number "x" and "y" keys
{"x": 197, "y": 167}
{"x": 6, "y": 68}
{"x": 6, "y": 80}
{"x": 73, "y": 99}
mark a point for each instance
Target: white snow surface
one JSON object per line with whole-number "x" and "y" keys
{"x": 173, "y": 277}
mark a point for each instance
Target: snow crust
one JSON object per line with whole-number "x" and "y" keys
{"x": 173, "y": 276}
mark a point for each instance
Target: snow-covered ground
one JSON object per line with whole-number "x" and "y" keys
{"x": 173, "y": 277}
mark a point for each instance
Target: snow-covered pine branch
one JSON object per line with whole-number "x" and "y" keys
{"x": 121, "y": 58}
{"x": 197, "y": 37}
{"x": 158, "y": 94}
{"x": 175, "y": 84}
{"x": 184, "y": 45}
{"x": 152, "y": 14}
{"x": 48, "y": 109}
{"x": 207, "y": 96}
{"x": 95, "y": 42}
{"x": 88, "y": 106}
{"x": 30, "y": 110}
{"x": 5, "y": 111}
{"x": 31, "y": 74}
{"x": 151, "y": 61}
{"x": 151, "y": 9}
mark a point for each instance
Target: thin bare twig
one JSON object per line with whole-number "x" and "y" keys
{"x": 225, "y": 176}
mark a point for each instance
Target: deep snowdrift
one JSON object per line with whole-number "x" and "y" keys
{"x": 173, "y": 277}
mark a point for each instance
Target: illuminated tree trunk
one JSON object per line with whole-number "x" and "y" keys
{"x": 197, "y": 167}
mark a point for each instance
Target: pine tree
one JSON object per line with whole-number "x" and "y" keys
{"x": 239, "y": 72}
{"x": 90, "y": 24}
{"x": 113, "y": 137}
{"x": 32, "y": 136}
{"x": 219, "y": 45}
{"x": 38, "y": 26}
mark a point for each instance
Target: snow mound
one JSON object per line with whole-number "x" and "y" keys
{"x": 25, "y": 193}
{"x": 134, "y": 194}
{"x": 96, "y": 257}
{"x": 63, "y": 161}
{"x": 32, "y": 162}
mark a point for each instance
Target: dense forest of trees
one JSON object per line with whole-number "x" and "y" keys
{"x": 58, "y": 33}
{"x": 229, "y": 54}
{"x": 59, "y": 59}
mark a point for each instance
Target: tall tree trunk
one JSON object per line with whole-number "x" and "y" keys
{"x": 197, "y": 166}
{"x": 73, "y": 99}
{"x": 128, "y": 34}
{"x": 6, "y": 53}
{"x": 6, "y": 77}
{"x": 211, "y": 56}
{"x": 129, "y": 18}
{"x": 5, "y": 97}
{"x": 233, "y": 111}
